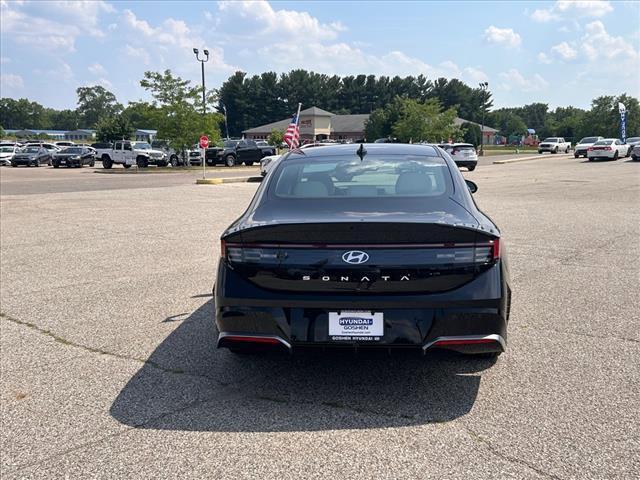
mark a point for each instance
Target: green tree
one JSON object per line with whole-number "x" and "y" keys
{"x": 471, "y": 133}
{"x": 142, "y": 115}
{"x": 95, "y": 102}
{"x": 179, "y": 115}
{"x": 64, "y": 119}
{"x": 381, "y": 120}
{"x": 22, "y": 113}
{"x": 276, "y": 137}
{"x": 508, "y": 123}
{"x": 604, "y": 118}
{"x": 2, "y": 132}
{"x": 110, "y": 129}
{"x": 425, "y": 122}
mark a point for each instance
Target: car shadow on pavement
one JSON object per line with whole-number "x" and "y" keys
{"x": 187, "y": 384}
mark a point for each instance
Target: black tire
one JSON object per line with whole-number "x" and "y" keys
{"x": 126, "y": 165}
{"x": 471, "y": 168}
{"x": 230, "y": 161}
{"x": 162, "y": 164}
{"x": 173, "y": 160}
{"x": 555, "y": 150}
{"x": 92, "y": 163}
{"x": 566, "y": 150}
{"x": 14, "y": 165}
{"x": 628, "y": 153}
{"x": 55, "y": 165}
{"x": 69, "y": 164}
{"x": 142, "y": 162}
{"x": 615, "y": 156}
{"x": 539, "y": 152}
{"x": 575, "y": 155}
{"x": 37, "y": 164}
{"x": 107, "y": 162}
{"x": 248, "y": 164}
{"x": 634, "y": 158}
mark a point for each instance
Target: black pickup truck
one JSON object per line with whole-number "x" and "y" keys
{"x": 237, "y": 152}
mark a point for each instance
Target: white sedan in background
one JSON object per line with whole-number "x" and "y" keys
{"x": 609, "y": 148}
{"x": 7, "y": 152}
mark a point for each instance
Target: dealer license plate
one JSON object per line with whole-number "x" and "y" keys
{"x": 356, "y": 325}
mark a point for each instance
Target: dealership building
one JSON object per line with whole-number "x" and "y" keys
{"x": 318, "y": 124}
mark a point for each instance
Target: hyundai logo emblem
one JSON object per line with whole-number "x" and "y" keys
{"x": 355, "y": 257}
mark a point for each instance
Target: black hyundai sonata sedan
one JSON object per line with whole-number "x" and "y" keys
{"x": 364, "y": 246}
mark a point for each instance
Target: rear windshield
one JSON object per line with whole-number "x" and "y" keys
{"x": 589, "y": 140}
{"x": 388, "y": 176}
{"x": 551, "y": 140}
{"x": 464, "y": 148}
{"x": 604, "y": 142}
{"x": 72, "y": 150}
{"x": 32, "y": 149}
{"x": 633, "y": 139}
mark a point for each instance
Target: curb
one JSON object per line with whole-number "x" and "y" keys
{"x": 525, "y": 159}
{"x": 218, "y": 181}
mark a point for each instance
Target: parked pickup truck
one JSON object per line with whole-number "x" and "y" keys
{"x": 554, "y": 145}
{"x": 127, "y": 153}
{"x": 237, "y": 152}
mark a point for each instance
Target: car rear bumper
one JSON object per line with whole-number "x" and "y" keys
{"x": 601, "y": 154}
{"x": 469, "y": 319}
{"x": 466, "y": 163}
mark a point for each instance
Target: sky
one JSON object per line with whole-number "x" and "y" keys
{"x": 561, "y": 53}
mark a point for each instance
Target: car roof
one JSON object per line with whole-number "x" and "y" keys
{"x": 371, "y": 149}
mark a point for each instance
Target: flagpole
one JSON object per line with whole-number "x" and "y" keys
{"x": 298, "y": 124}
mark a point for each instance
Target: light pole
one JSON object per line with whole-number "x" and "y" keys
{"x": 226, "y": 125}
{"x": 204, "y": 103}
{"x": 483, "y": 87}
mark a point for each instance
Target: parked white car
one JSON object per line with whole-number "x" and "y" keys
{"x": 583, "y": 146}
{"x": 609, "y": 148}
{"x": 463, "y": 154}
{"x": 554, "y": 145}
{"x": 7, "y": 153}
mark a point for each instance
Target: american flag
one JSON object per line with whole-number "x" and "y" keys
{"x": 292, "y": 135}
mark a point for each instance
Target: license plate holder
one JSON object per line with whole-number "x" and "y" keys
{"x": 356, "y": 325}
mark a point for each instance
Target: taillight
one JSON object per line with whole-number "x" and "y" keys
{"x": 607, "y": 148}
{"x": 223, "y": 249}
{"x": 590, "y": 149}
{"x": 496, "y": 249}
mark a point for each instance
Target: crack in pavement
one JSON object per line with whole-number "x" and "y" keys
{"x": 495, "y": 451}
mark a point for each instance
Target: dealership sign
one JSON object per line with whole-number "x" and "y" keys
{"x": 623, "y": 122}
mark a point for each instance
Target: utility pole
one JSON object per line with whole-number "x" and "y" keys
{"x": 483, "y": 87}
{"x": 204, "y": 106}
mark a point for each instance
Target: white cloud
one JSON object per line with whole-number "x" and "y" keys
{"x": 564, "y": 9}
{"x": 97, "y": 69}
{"x": 138, "y": 53}
{"x": 514, "y": 79}
{"x": 260, "y": 18}
{"x": 11, "y": 81}
{"x": 543, "y": 58}
{"x": 475, "y": 75}
{"x": 597, "y": 43}
{"x": 52, "y": 26}
{"x": 502, "y": 36}
{"x": 63, "y": 72}
{"x": 565, "y": 51}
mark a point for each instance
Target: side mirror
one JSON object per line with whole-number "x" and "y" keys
{"x": 472, "y": 186}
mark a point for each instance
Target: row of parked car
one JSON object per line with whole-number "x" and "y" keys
{"x": 596, "y": 148}
{"x": 37, "y": 153}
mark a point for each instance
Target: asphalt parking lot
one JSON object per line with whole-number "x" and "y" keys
{"x": 108, "y": 365}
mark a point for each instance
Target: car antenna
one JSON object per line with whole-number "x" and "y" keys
{"x": 361, "y": 152}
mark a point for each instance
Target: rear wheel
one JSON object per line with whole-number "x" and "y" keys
{"x": 575, "y": 155}
{"x": 566, "y": 150}
{"x": 615, "y": 156}
{"x": 230, "y": 161}
{"x": 248, "y": 164}
{"x": 555, "y": 150}
{"x": 471, "y": 168}
{"x": 92, "y": 163}
{"x": 142, "y": 162}
{"x": 539, "y": 152}
{"x": 106, "y": 162}
{"x": 55, "y": 165}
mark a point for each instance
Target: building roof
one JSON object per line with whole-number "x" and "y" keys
{"x": 148, "y": 132}
{"x": 80, "y": 130}
{"x": 459, "y": 121}
{"x": 316, "y": 112}
{"x": 269, "y": 127}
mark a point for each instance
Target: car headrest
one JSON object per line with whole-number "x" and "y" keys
{"x": 311, "y": 189}
{"x": 413, "y": 183}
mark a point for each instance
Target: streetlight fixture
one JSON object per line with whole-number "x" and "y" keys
{"x": 204, "y": 103}
{"x": 483, "y": 86}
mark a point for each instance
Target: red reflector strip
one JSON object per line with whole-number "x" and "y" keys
{"x": 464, "y": 342}
{"x": 267, "y": 340}
{"x": 496, "y": 249}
